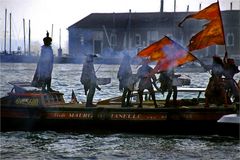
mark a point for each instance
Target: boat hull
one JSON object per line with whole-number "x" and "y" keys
{"x": 200, "y": 121}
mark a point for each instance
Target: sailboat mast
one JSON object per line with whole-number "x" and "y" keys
{"x": 60, "y": 38}
{"x": 24, "y": 37}
{"x": 10, "y": 33}
{"x": 52, "y": 32}
{"x": 5, "y": 32}
{"x": 60, "y": 49}
{"x": 29, "y": 38}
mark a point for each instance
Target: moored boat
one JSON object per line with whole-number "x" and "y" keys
{"x": 28, "y": 108}
{"x": 230, "y": 123}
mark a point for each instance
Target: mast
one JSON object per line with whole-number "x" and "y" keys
{"x": 5, "y": 32}
{"x": 60, "y": 38}
{"x": 60, "y": 49}
{"x": 52, "y": 32}
{"x": 10, "y": 33}
{"x": 219, "y": 12}
{"x": 29, "y": 38}
{"x": 24, "y": 38}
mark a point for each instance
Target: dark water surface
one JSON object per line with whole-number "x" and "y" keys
{"x": 74, "y": 145}
{"x": 53, "y": 145}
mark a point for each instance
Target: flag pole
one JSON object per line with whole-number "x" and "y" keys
{"x": 226, "y": 53}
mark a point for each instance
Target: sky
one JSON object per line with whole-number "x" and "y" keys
{"x": 64, "y": 13}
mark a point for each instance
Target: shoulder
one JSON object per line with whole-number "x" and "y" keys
{"x": 46, "y": 47}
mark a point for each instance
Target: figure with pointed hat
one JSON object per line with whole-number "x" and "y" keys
{"x": 43, "y": 75}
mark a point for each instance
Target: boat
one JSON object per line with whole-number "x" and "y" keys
{"x": 28, "y": 108}
{"x": 230, "y": 122}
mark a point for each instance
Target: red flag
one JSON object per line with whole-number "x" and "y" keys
{"x": 155, "y": 50}
{"x": 213, "y": 31}
{"x": 168, "y": 53}
{"x": 209, "y": 13}
{"x": 211, "y": 35}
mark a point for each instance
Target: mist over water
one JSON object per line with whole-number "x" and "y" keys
{"x": 74, "y": 145}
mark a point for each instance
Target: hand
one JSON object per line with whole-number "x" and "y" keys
{"x": 98, "y": 88}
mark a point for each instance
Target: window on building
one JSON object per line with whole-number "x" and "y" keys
{"x": 97, "y": 47}
{"x": 230, "y": 39}
{"x": 81, "y": 40}
{"x": 97, "y": 42}
{"x": 113, "y": 39}
{"x": 138, "y": 40}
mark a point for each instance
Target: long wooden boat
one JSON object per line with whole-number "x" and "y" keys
{"x": 28, "y": 108}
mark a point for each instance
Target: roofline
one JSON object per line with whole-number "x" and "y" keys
{"x": 181, "y": 12}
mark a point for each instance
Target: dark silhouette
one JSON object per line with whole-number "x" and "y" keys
{"x": 89, "y": 80}
{"x": 43, "y": 74}
{"x": 146, "y": 81}
{"x": 124, "y": 73}
{"x": 215, "y": 91}
{"x": 167, "y": 79}
{"x": 230, "y": 69}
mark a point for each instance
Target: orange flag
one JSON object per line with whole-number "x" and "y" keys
{"x": 168, "y": 53}
{"x": 211, "y": 35}
{"x": 213, "y": 31}
{"x": 155, "y": 51}
{"x": 209, "y": 13}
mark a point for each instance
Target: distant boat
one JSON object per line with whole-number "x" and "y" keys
{"x": 18, "y": 58}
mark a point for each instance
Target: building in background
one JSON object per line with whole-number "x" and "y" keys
{"x": 111, "y": 34}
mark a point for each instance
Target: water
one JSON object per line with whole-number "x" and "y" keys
{"x": 54, "y": 145}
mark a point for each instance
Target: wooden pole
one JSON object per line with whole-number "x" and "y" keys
{"x": 29, "y": 38}
{"x": 5, "y": 32}
{"x": 10, "y": 33}
{"x": 226, "y": 54}
{"x": 24, "y": 37}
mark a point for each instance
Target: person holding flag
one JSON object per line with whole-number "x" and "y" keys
{"x": 168, "y": 83}
{"x": 230, "y": 69}
{"x": 168, "y": 55}
{"x": 215, "y": 91}
{"x": 146, "y": 81}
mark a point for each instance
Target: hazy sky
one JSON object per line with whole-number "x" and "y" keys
{"x": 63, "y": 13}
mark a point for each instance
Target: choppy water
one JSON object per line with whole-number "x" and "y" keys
{"x": 54, "y": 145}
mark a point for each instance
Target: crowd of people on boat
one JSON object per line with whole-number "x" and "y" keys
{"x": 220, "y": 89}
